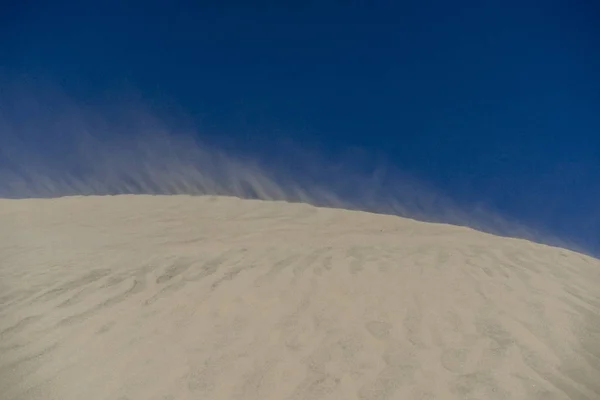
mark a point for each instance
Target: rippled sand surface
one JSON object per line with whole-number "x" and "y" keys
{"x": 177, "y": 297}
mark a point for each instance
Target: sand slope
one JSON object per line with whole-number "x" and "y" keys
{"x": 141, "y": 297}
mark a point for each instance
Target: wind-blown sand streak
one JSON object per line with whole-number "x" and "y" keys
{"x": 178, "y": 297}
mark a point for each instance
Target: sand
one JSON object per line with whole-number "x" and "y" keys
{"x": 177, "y": 297}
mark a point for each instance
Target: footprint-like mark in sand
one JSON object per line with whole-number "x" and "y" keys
{"x": 478, "y": 385}
{"x": 455, "y": 360}
{"x": 231, "y": 274}
{"x": 325, "y": 265}
{"x": 105, "y": 328}
{"x": 253, "y": 382}
{"x": 176, "y": 269}
{"x": 318, "y": 382}
{"x": 399, "y": 370}
{"x": 191, "y": 272}
{"x": 413, "y": 325}
{"x": 538, "y": 364}
{"x": 308, "y": 262}
{"x": 358, "y": 258}
{"x": 315, "y": 385}
{"x": 484, "y": 351}
{"x": 276, "y": 269}
{"x": 212, "y": 266}
{"x": 379, "y": 329}
{"x": 202, "y": 380}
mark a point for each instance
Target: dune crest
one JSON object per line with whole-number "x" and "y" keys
{"x": 180, "y": 297}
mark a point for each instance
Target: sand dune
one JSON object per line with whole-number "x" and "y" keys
{"x": 176, "y": 297}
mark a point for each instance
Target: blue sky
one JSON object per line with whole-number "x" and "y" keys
{"x": 494, "y": 103}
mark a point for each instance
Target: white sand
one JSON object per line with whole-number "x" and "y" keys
{"x": 141, "y": 297}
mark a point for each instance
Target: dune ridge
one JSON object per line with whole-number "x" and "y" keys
{"x": 182, "y": 297}
{"x": 81, "y": 152}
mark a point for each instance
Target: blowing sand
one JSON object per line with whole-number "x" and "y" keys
{"x": 176, "y": 297}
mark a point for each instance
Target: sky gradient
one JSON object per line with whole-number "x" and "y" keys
{"x": 494, "y": 103}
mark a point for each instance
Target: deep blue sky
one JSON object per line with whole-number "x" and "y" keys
{"x": 491, "y": 101}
